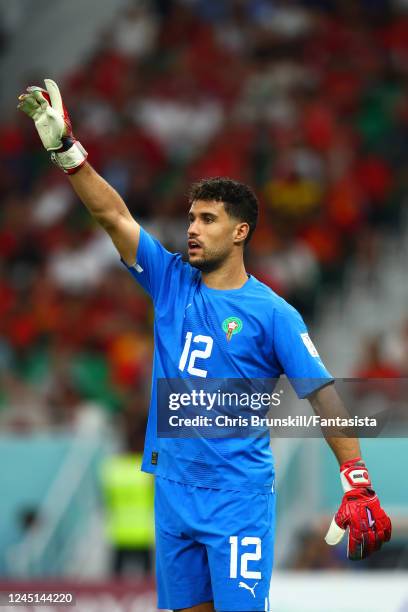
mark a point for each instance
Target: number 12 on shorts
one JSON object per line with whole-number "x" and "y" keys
{"x": 245, "y": 557}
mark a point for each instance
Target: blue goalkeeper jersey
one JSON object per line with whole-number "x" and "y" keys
{"x": 245, "y": 333}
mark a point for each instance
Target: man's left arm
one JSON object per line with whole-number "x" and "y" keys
{"x": 360, "y": 511}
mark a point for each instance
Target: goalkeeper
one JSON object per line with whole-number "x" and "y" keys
{"x": 214, "y": 499}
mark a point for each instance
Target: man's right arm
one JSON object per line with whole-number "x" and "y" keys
{"x": 51, "y": 119}
{"x": 108, "y": 209}
{"x": 157, "y": 269}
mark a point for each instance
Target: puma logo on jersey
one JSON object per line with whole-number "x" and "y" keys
{"x": 247, "y": 587}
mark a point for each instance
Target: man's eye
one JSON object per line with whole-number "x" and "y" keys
{"x": 208, "y": 219}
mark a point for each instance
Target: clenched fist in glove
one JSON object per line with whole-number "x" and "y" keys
{"x": 360, "y": 512}
{"x": 53, "y": 125}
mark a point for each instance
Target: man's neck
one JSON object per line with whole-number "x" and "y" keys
{"x": 230, "y": 276}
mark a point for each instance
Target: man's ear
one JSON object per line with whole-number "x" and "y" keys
{"x": 241, "y": 232}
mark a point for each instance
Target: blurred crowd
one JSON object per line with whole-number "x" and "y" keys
{"x": 306, "y": 101}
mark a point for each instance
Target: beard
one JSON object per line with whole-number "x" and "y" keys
{"x": 210, "y": 263}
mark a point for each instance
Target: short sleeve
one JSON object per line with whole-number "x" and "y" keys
{"x": 297, "y": 354}
{"x": 156, "y": 269}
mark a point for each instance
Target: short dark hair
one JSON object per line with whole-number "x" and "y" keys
{"x": 239, "y": 200}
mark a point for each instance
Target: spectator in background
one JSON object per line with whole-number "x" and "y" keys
{"x": 373, "y": 363}
{"x": 375, "y": 379}
{"x": 135, "y": 31}
{"x": 128, "y": 496}
{"x": 396, "y": 347}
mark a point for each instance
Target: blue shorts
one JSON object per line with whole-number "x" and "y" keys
{"x": 213, "y": 545}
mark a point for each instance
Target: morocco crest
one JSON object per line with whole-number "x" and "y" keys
{"x": 231, "y": 326}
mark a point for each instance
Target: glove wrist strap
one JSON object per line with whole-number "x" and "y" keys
{"x": 354, "y": 475}
{"x": 70, "y": 160}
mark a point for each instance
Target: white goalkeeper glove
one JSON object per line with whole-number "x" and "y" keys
{"x": 53, "y": 125}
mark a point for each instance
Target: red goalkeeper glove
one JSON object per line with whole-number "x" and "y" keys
{"x": 360, "y": 512}
{"x": 53, "y": 125}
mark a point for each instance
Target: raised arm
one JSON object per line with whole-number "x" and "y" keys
{"x": 107, "y": 207}
{"x": 51, "y": 119}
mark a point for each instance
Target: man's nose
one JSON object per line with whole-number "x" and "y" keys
{"x": 192, "y": 229}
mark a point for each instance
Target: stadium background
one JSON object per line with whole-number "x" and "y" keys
{"x": 306, "y": 101}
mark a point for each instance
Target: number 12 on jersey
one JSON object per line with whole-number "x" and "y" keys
{"x": 245, "y": 557}
{"x": 195, "y": 354}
